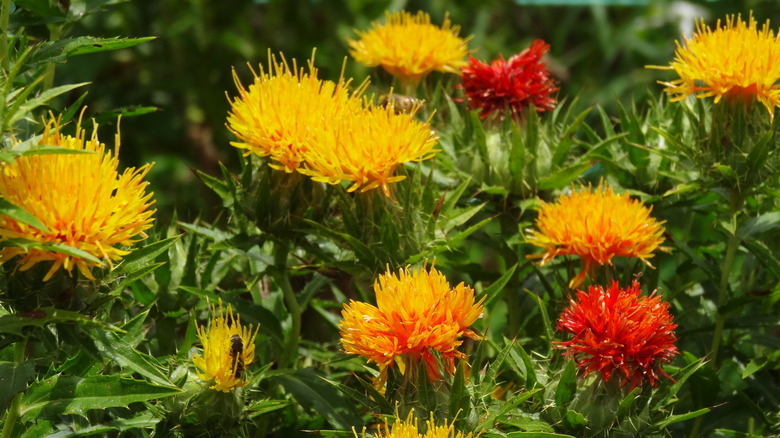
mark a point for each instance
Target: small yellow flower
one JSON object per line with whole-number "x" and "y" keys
{"x": 409, "y": 46}
{"x": 596, "y": 225}
{"x": 366, "y": 147}
{"x": 284, "y": 110}
{"x": 228, "y": 349}
{"x": 409, "y": 429}
{"x": 82, "y": 199}
{"x": 417, "y": 314}
{"x": 736, "y": 60}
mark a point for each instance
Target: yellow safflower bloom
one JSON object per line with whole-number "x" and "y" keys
{"x": 82, "y": 199}
{"x": 417, "y": 314}
{"x": 228, "y": 349}
{"x": 596, "y": 225}
{"x": 735, "y": 60}
{"x": 284, "y": 109}
{"x": 409, "y": 429}
{"x": 366, "y": 147}
{"x": 409, "y": 46}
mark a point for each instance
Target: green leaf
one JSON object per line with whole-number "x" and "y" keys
{"x": 564, "y": 176}
{"x": 460, "y": 396}
{"x": 357, "y": 396}
{"x": 13, "y": 324}
{"x": 758, "y": 224}
{"x": 528, "y": 373}
{"x": 312, "y": 392}
{"x": 262, "y": 407}
{"x": 496, "y": 290}
{"x": 59, "y": 51}
{"x": 488, "y": 381}
{"x": 20, "y": 215}
{"x": 536, "y": 435}
{"x": 764, "y": 256}
{"x": 142, "y": 257}
{"x": 65, "y": 395}
{"x": 574, "y": 420}
{"x": 14, "y": 377}
{"x": 567, "y": 386}
{"x": 22, "y": 108}
{"x": 426, "y": 394}
{"x": 625, "y": 405}
{"x": 682, "y": 417}
{"x": 53, "y": 247}
{"x": 506, "y": 407}
{"x": 115, "y": 348}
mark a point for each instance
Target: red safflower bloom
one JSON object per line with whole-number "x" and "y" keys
{"x": 619, "y": 330}
{"x": 517, "y": 83}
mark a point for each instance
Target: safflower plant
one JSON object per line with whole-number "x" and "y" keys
{"x": 457, "y": 246}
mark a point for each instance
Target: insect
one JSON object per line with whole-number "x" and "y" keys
{"x": 236, "y": 353}
{"x": 401, "y": 104}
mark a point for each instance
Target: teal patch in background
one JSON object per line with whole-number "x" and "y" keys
{"x": 584, "y": 2}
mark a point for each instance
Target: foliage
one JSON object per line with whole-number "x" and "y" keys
{"x": 112, "y": 355}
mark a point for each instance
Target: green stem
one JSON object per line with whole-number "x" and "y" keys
{"x": 282, "y": 277}
{"x": 13, "y": 410}
{"x": 5, "y": 14}
{"x": 735, "y": 203}
{"x": 728, "y": 262}
{"x": 55, "y": 32}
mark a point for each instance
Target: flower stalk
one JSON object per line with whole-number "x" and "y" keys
{"x": 14, "y": 409}
{"x": 281, "y": 251}
{"x": 5, "y": 13}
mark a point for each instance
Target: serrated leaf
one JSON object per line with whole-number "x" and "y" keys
{"x": 142, "y": 257}
{"x": 506, "y": 407}
{"x": 460, "y": 397}
{"x": 682, "y": 417}
{"x": 496, "y": 290}
{"x": 758, "y": 224}
{"x": 567, "y": 386}
{"x": 65, "y": 395}
{"x": 561, "y": 177}
{"x": 115, "y": 348}
{"x": 314, "y": 393}
{"x": 536, "y": 435}
{"x": 13, "y": 324}
{"x": 59, "y": 51}
{"x": 489, "y": 379}
{"x": 53, "y": 247}
{"x": 262, "y": 407}
{"x": 21, "y": 215}
{"x": 14, "y": 377}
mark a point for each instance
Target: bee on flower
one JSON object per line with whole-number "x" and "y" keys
{"x": 228, "y": 349}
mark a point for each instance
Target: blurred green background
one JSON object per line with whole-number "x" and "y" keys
{"x": 598, "y": 53}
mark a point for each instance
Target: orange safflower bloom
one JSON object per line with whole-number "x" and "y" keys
{"x": 417, "y": 314}
{"x": 619, "y": 333}
{"x": 734, "y": 60}
{"x": 284, "y": 110}
{"x": 228, "y": 349}
{"x": 82, "y": 199}
{"x": 596, "y": 225}
{"x": 366, "y": 147}
{"x": 409, "y": 47}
